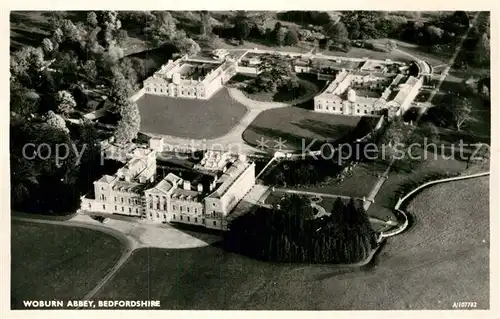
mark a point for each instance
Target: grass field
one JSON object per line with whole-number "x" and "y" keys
{"x": 441, "y": 260}
{"x": 52, "y": 262}
{"x": 28, "y": 28}
{"x": 401, "y": 175}
{"x": 190, "y": 118}
{"x": 299, "y": 127}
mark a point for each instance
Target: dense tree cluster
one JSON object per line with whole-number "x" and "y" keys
{"x": 290, "y": 233}
{"x": 276, "y": 74}
{"x": 48, "y": 85}
{"x": 303, "y": 172}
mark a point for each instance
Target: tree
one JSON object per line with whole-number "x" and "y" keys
{"x": 23, "y": 101}
{"x": 120, "y": 89}
{"x": 92, "y": 19}
{"x": 162, "y": 29}
{"x": 291, "y": 37}
{"x": 435, "y": 34}
{"x": 89, "y": 69}
{"x": 65, "y": 102}
{"x": 26, "y": 61}
{"x": 58, "y": 36}
{"x": 206, "y": 27}
{"x": 187, "y": 46}
{"x": 56, "y": 121}
{"x": 461, "y": 111}
{"x": 275, "y": 73}
{"x": 482, "y": 51}
{"x": 122, "y": 37}
{"x": 390, "y": 45}
{"x": 280, "y": 36}
{"x": 70, "y": 31}
{"x": 129, "y": 125}
{"x": 337, "y": 32}
{"x": 241, "y": 29}
{"x": 47, "y": 45}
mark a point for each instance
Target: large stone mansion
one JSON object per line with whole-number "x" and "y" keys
{"x": 357, "y": 86}
{"x": 202, "y": 195}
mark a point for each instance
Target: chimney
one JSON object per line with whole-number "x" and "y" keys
{"x": 200, "y": 187}
{"x": 187, "y": 185}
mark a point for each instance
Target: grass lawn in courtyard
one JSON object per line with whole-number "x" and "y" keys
{"x": 299, "y": 127}
{"x": 190, "y": 118}
{"x": 53, "y": 262}
{"x": 358, "y": 185}
{"x": 280, "y": 96}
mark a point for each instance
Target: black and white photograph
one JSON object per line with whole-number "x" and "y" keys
{"x": 249, "y": 160}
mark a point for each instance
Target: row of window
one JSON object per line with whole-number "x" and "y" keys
{"x": 181, "y": 218}
{"x": 189, "y": 92}
{"x": 130, "y": 200}
{"x": 342, "y": 109}
{"x": 174, "y": 208}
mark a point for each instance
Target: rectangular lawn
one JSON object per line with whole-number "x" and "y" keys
{"x": 190, "y": 118}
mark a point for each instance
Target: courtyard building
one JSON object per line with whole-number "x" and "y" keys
{"x": 204, "y": 195}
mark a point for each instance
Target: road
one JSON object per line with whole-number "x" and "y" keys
{"x": 378, "y": 185}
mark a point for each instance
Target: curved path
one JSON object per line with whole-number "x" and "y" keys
{"x": 404, "y": 224}
{"x": 129, "y": 245}
{"x": 233, "y": 140}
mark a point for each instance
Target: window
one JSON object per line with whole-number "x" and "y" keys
{"x": 157, "y": 215}
{"x": 187, "y": 209}
{"x": 196, "y": 210}
{"x": 203, "y": 220}
{"x": 181, "y": 217}
{"x": 173, "y": 207}
{"x": 365, "y": 112}
{"x": 103, "y": 206}
{"x": 123, "y": 208}
{"x": 155, "y": 89}
{"x": 115, "y": 198}
{"x": 195, "y": 219}
{"x": 188, "y": 219}
{"x": 327, "y": 108}
{"x": 180, "y": 208}
{"x": 215, "y": 223}
{"x": 173, "y": 216}
{"x": 333, "y": 108}
{"x": 122, "y": 199}
{"x": 357, "y": 110}
{"x": 157, "y": 205}
{"x": 151, "y": 205}
{"x": 116, "y": 208}
{"x": 130, "y": 210}
{"x": 90, "y": 205}
{"x": 164, "y": 206}
{"x": 137, "y": 210}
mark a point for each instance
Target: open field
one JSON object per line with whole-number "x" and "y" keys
{"x": 53, "y": 262}
{"x": 299, "y": 127}
{"x": 28, "y": 28}
{"x": 402, "y": 174}
{"x": 187, "y": 118}
{"x": 444, "y": 258}
{"x": 358, "y": 185}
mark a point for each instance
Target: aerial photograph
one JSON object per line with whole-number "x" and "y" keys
{"x": 250, "y": 160}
